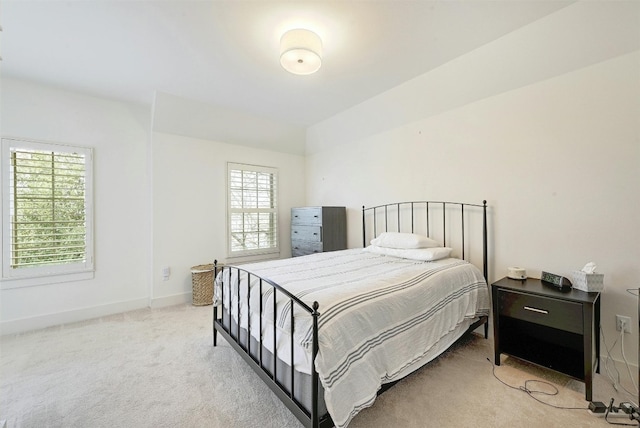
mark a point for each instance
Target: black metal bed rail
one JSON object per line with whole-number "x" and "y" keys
{"x": 412, "y": 205}
{"x": 286, "y": 393}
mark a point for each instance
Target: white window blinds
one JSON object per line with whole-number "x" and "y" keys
{"x": 253, "y": 209}
{"x": 47, "y": 222}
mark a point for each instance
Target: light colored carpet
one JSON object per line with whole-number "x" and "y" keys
{"x": 157, "y": 368}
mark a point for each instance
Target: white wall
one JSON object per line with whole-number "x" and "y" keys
{"x": 160, "y": 200}
{"x": 119, "y": 134}
{"x": 189, "y": 205}
{"x": 558, "y": 162}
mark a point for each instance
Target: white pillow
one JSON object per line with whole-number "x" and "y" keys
{"x": 422, "y": 254}
{"x": 403, "y": 240}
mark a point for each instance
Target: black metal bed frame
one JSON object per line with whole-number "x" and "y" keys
{"x": 427, "y": 204}
{"x": 269, "y": 372}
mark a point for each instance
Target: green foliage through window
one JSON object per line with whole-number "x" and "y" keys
{"x": 48, "y": 214}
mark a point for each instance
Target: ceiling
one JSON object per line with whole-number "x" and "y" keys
{"x": 226, "y": 53}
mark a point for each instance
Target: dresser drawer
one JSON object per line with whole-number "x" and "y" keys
{"x": 306, "y": 233}
{"x": 310, "y": 216}
{"x": 555, "y": 313}
{"x": 302, "y": 248}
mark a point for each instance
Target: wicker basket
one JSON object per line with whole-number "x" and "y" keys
{"x": 202, "y": 279}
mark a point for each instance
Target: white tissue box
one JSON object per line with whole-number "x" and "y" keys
{"x": 590, "y": 282}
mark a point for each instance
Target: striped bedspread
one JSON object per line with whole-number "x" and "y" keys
{"x": 380, "y": 318}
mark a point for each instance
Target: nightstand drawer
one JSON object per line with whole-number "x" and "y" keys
{"x": 306, "y": 233}
{"x": 310, "y": 216}
{"x": 549, "y": 312}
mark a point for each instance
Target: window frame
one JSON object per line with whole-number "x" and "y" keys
{"x": 53, "y": 273}
{"x": 231, "y": 254}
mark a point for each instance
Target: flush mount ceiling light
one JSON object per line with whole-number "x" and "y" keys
{"x": 300, "y": 51}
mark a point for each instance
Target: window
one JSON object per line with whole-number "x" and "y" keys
{"x": 47, "y": 222}
{"x": 253, "y": 210}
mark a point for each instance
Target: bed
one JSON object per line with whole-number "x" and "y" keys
{"x": 328, "y": 332}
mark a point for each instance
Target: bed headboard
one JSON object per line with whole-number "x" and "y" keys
{"x": 458, "y": 225}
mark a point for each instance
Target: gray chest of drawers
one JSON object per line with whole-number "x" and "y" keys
{"x": 318, "y": 229}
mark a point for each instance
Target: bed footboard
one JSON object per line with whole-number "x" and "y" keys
{"x": 256, "y": 353}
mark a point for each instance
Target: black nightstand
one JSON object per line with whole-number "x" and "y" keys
{"x": 541, "y": 324}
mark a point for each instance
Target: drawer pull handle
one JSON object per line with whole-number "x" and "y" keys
{"x": 540, "y": 311}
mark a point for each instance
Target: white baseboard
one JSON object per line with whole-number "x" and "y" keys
{"x": 48, "y": 320}
{"x": 174, "y": 299}
{"x": 625, "y": 376}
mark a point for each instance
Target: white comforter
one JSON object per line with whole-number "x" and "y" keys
{"x": 380, "y": 318}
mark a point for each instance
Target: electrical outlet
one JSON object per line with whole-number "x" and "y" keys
{"x": 623, "y": 322}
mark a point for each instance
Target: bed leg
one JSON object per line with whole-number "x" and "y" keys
{"x": 213, "y": 326}
{"x": 215, "y": 307}
{"x": 486, "y": 329}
